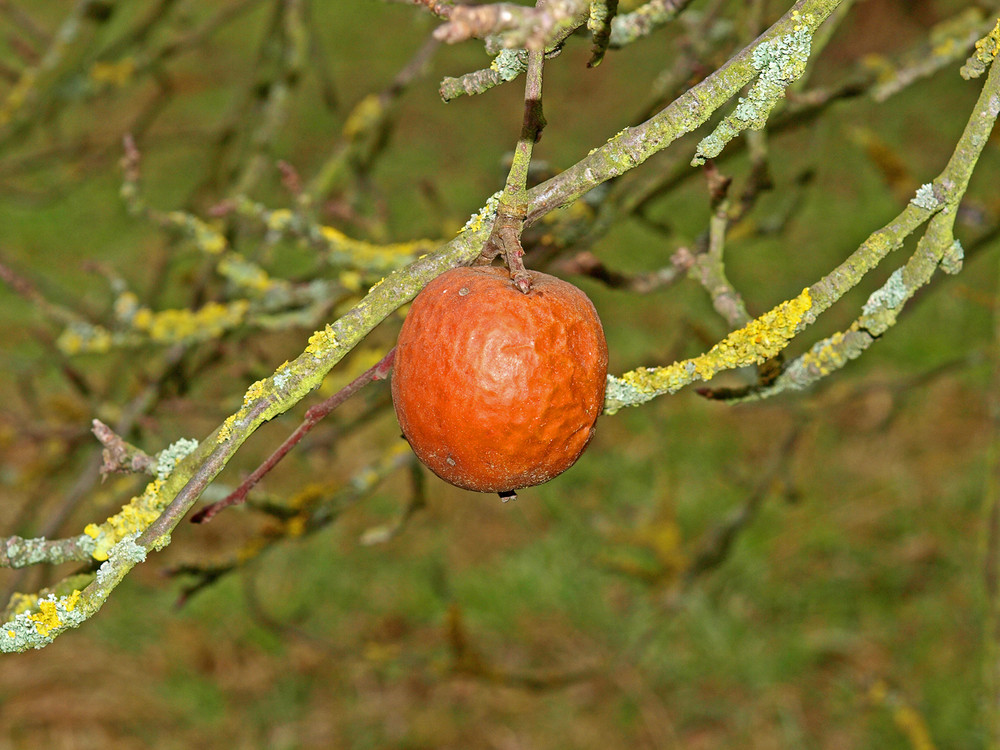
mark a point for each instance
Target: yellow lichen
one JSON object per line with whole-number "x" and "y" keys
{"x": 47, "y": 618}
{"x": 142, "y": 319}
{"x": 296, "y": 525}
{"x": 279, "y": 220}
{"x": 211, "y": 242}
{"x": 333, "y": 236}
{"x": 251, "y": 549}
{"x": 133, "y": 518}
{"x": 84, "y": 339}
{"x": 310, "y": 494}
{"x": 351, "y": 281}
{"x": 321, "y": 342}
{"x": 207, "y": 239}
{"x": 364, "y": 116}
{"x": 371, "y": 255}
{"x": 70, "y": 342}
{"x": 18, "y": 95}
{"x": 113, "y": 73}
{"x": 254, "y": 392}
{"x": 759, "y": 340}
{"x": 987, "y": 49}
{"x": 243, "y": 273}
{"x": 226, "y": 431}
{"x": 177, "y": 325}
{"x": 126, "y": 305}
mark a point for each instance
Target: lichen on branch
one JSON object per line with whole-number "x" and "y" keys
{"x": 761, "y": 339}
{"x": 779, "y": 62}
{"x": 634, "y": 145}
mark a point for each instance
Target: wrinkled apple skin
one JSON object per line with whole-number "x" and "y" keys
{"x": 496, "y": 389}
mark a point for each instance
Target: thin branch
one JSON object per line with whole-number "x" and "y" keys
{"x": 641, "y": 22}
{"x": 602, "y": 15}
{"x": 516, "y": 26}
{"x": 18, "y": 552}
{"x": 710, "y": 267}
{"x": 298, "y": 516}
{"x": 936, "y": 248}
{"x": 368, "y": 126}
{"x": 506, "y": 235}
{"x": 119, "y": 456}
{"x": 632, "y": 146}
{"x": 378, "y": 371}
{"x": 416, "y": 502}
{"x": 587, "y": 264}
{"x": 768, "y": 335}
{"x": 719, "y": 541}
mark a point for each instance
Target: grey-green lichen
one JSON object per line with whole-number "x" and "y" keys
{"x": 19, "y": 552}
{"x": 40, "y": 619}
{"x": 951, "y": 261}
{"x": 172, "y": 455}
{"x": 628, "y": 27}
{"x": 510, "y": 63}
{"x": 598, "y": 17}
{"x": 778, "y": 62}
{"x": 122, "y": 557}
{"x": 619, "y": 393}
{"x": 925, "y": 197}
{"x": 889, "y": 296}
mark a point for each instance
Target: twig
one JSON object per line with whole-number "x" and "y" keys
{"x": 629, "y": 27}
{"x": 709, "y": 266}
{"x": 119, "y": 456}
{"x": 768, "y": 335}
{"x": 634, "y": 145}
{"x": 18, "y": 552}
{"x": 416, "y": 502}
{"x": 25, "y": 22}
{"x": 378, "y": 371}
{"x": 294, "y": 49}
{"x": 516, "y": 26}
{"x": 440, "y": 8}
{"x": 301, "y": 515}
{"x": 468, "y": 661}
{"x": 587, "y": 264}
{"x": 908, "y": 720}
{"x": 937, "y": 248}
{"x": 368, "y": 126}
{"x": 506, "y": 235}
{"x": 602, "y": 15}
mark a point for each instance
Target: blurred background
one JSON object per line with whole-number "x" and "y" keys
{"x": 806, "y": 572}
